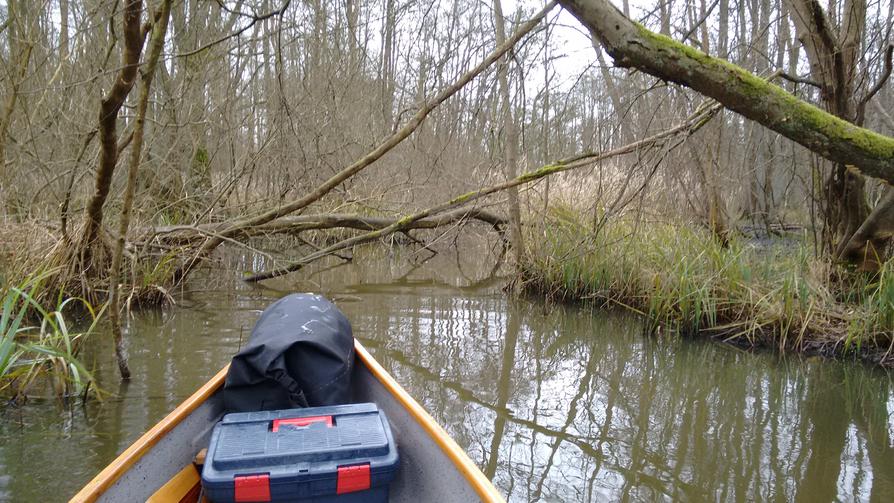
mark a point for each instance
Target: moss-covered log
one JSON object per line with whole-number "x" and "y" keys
{"x": 631, "y": 45}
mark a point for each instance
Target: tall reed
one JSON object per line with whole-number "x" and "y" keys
{"x": 38, "y": 345}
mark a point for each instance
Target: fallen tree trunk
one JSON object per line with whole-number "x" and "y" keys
{"x": 632, "y": 45}
{"x": 694, "y": 123}
{"x": 301, "y": 223}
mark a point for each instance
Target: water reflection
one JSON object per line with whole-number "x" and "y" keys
{"x": 554, "y": 403}
{"x": 562, "y": 404}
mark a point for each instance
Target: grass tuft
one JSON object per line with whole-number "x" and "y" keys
{"x": 38, "y": 345}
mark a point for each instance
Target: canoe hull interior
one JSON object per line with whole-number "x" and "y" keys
{"x": 172, "y": 452}
{"x": 429, "y": 470}
{"x": 425, "y": 472}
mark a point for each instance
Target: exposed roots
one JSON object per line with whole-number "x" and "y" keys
{"x": 71, "y": 270}
{"x": 75, "y": 269}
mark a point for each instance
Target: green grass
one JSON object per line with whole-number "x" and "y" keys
{"x": 683, "y": 279}
{"x": 873, "y": 320}
{"x": 38, "y": 346}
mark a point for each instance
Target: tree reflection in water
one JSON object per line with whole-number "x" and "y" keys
{"x": 568, "y": 404}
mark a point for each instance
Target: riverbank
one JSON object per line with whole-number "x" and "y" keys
{"x": 756, "y": 293}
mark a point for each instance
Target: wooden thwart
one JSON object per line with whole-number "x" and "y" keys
{"x": 185, "y": 487}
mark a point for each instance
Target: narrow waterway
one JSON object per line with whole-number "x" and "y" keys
{"x": 554, "y": 403}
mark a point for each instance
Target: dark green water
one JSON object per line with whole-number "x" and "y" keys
{"x": 554, "y": 403}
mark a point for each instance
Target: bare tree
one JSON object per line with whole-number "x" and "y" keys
{"x": 156, "y": 43}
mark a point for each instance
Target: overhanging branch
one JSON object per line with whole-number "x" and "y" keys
{"x": 631, "y": 45}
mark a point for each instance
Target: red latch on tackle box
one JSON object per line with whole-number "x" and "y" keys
{"x": 301, "y": 421}
{"x": 251, "y": 488}
{"x": 352, "y": 478}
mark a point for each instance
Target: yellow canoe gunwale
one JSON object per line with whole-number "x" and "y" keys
{"x": 111, "y": 473}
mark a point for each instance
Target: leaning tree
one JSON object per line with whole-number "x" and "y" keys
{"x": 834, "y": 133}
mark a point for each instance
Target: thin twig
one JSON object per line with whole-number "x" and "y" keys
{"x": 254, "y": 20}
{"x": 795, "y": 79}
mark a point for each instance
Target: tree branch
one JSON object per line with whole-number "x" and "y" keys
{"x": 255, "y": 19}
{"x": 798, "y": 80}
{"x": 886, "y": 74}
{"x": 878, "y": 220}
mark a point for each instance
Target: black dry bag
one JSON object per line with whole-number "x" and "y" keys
{"x": 300, "y": 354}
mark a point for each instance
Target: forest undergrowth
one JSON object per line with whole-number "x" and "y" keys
{"x": 772, "y": 291}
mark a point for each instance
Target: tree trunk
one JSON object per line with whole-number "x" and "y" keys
{"x": 155, "y": 46}
{"x": 832, "y": 54}
{"x": 510, "y": 140}
{"x": 545, "y": 118}
{"x": 868, "y": 244}
{"x": 20, "y": 56}
{"x": 108, "y": 122}
{"x": 387, "y": 67}
{"x": 63, "y": 31}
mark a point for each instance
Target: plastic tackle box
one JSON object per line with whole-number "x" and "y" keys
{"x": 342, "y": 454}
